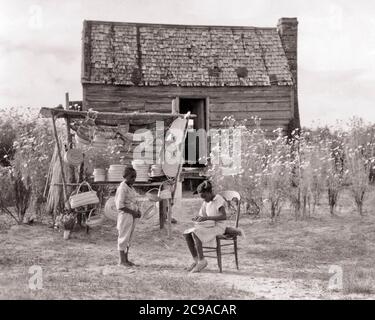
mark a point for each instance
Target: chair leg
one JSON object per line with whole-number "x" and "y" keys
{"x": 218, "y": 253}
{"x": 236, "y": 252}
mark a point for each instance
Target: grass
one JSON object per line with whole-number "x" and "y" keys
{"x": 288, "y": 259}
{"x": 360, "y": 281}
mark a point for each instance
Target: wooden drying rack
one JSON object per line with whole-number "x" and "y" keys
{"x": 108, "y": 119}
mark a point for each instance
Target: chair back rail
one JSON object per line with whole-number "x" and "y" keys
{"x": 229, "y": 195}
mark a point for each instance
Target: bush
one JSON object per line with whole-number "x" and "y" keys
{"x": 26, "y": 142}
{"x": 15, "y": 194}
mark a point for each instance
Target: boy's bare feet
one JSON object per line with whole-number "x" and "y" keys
{"x": 123, "y": 260}
{"x": 132, "y": 264}
{"x": 126, "y": 263}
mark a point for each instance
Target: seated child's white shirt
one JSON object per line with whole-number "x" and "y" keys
{"x": 211, "y": 209}
{"x": 204, "y": 233}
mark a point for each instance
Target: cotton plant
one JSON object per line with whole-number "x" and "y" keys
{"x": 317, "y": 187}
{"x": 276, "y": 173}
{"x": 252, "y": 169}
{"x": 359, "y": 161}
{"x": 246, "y": 176}
{"x": 298, "y": 169}
{"x": 358, "y": 173}
{"x": 333, "y": 169}
{"x": 221, "y": 180}
{"x": 307, "y": 182}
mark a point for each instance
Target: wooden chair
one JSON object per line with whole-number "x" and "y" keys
{"x": 222, "y": 240}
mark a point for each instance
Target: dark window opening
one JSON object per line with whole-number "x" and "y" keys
{"x": 196, "y": 139}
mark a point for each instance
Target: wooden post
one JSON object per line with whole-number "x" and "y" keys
{"x": 174, "y": 106}
{"x": 60, "y": 158}
{"x": 71, "y": 172}
{"x": 178, "y": 196}
{"x": 161, "y": 214}
{"x": 67, "y": 100}
{"x": 169, "y": 217}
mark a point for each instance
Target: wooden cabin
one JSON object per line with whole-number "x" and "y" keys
{"x": 212, "y": 71}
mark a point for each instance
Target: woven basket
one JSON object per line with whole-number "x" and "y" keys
{"x": 99, "y": 171}
{"x": 81, "y": 140}
{"x": 205, "y": 224}
{"x": 153, "y": 194}
{"x": 149, "y": 212}
{"x": 73, "y": 157}
{"x": 157, "y": 194}
{"x": 84, "y": 132}
{"x": 110, "y": 210}
{"x": 99, "y": 141}
{"x": 95, "y": 220}
{"x": 99, "y": 177}
{"x": 80, "y": 199}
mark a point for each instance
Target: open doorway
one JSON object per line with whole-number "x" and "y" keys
{"x": 196, "y": 140}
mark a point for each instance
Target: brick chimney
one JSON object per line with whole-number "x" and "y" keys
{"x": 288, "y": 29}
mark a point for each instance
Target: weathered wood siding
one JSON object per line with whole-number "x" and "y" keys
{"x": 273, "y": 104}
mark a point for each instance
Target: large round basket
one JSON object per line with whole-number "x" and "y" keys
{"x": 73, "y": 157}
{"x": 173, "y": 146}
{"x": 110, "y": 210}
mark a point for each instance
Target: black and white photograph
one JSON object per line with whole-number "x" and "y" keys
{"x": 211, "y": 151}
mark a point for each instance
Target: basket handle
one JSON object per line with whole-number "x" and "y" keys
{"x": 91, "y": 211}
{"x": 79, "y": 187}
{"x": 149, "y": 191}
{"x": 161, "y": 186}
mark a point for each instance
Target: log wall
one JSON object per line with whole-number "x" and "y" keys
{"x": 273, "y": 104}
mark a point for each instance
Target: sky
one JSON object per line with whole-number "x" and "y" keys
{"x": 40, "y": 47}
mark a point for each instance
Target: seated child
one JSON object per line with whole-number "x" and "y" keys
{"x": 212, "y": 211}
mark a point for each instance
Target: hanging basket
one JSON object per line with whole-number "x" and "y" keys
{"x": 82, "y": 140}
{"x": 79, "y": 199}
{"x": 73, "y": 157}
{"x": 84, "y": 134}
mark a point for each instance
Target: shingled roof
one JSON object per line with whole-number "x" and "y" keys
{"x": 181, "y": 55}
